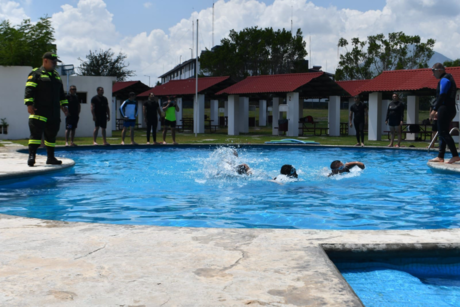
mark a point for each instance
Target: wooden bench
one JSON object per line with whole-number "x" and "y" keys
{"x": 308, "y": 125}
{"x": 422, "y": 131}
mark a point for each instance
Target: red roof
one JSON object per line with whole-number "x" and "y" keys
{"x": 407, "y": 80}
{"x": 183, "y": 87}
{"x": 271, "y": 84}
{"x": 121, "y": 85}
{"x": 352, "y": 87}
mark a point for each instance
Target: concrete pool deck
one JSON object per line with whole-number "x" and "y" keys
{"x": 52, "y": 263}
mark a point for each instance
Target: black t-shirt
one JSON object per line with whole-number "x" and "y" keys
{"x": 100, "y": 106}
{"x": 151, "y": 109}
{"x": 74, "y": 104}
{"x": 359, "y": 110}
{"x": 395, "y": 112}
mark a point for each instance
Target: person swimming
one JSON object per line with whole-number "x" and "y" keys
{"x": 338, "y": 167}
{"x": 243, "y": 169}
{"x": 289, "y": 171}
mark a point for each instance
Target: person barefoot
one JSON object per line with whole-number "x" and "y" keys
{"x": 148, "y": 143}
{"x": 362, "y": 144}
{"x": 164, "y": 143}
{"x": 175, "y": 143}
{"x": 94, "y": 143}
{"x": 453, "y": 160}
{"x": 134, "y": 143}
{"x": 122, "y": 142}
{"x": 437, "y": 159}
{"x": 357, "y": 144}
{"x": 156, "y": 143}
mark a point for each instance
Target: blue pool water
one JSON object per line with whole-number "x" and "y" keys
{"x": 198, "y": 188}
{"x": 423, "y": 282}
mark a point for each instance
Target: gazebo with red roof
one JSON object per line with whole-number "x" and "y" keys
{"x": 415, "y": 82}
{"x": 295, "y": 87}
{"x": 185, "y": 89}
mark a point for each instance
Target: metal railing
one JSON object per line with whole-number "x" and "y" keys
{"x": 436, "y": 135}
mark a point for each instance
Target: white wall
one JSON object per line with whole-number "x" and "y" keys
{"x": 12, "y": 85}
{"x": 89, "y": 85}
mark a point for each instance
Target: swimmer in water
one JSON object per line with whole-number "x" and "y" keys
{"x": 338, "y": 167}
{"x": 243, "y": 169}
{"x": 289, "y": 171}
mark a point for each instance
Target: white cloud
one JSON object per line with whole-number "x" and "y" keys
{"x": 12, "y": 11}
{"x": 147, "y": 4}
{"x": 89, "y": 26}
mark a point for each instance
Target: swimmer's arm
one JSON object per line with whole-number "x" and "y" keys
{"x": 274, "y": 180}
{"x": 353, "y": 164}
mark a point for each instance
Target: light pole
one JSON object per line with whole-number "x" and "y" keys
{"x": 149, "y": 78}
{"x": 191, "y": 49}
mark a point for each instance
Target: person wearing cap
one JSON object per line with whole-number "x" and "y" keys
{"x": 359, "y": 110}
{"x": 71, "y": 121}
{"x": 101, "y": 114}
{"x": 170, "y": 108}
{"x": 128, "y": 111}
{"x": 45, "y": 98}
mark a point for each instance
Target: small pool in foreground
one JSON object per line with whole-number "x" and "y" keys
{"x": 196, "y": 187}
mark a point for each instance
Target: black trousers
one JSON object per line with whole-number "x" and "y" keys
{"x": 445, "y": 116}
{"x": 152, "y": 126}
{"x": 39, "y": 126}
{"x": 359, "y": 127}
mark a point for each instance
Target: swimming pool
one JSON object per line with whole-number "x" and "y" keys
{"x": 197, "y": 187}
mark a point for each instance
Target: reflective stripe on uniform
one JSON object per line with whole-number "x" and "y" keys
{"x": 36, "y": 142}
{"x": 33, "y": 84}
{"x": 64, "y": 102}
{"x": 28, "y": 100}
{"x": 57, "y": 78}
{"x": 50, "y": 144}
{"x": 38, "y": 117}
{"x": 45, "y": 76}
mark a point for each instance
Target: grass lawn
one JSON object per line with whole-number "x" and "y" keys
{"x": 256, "y": 135}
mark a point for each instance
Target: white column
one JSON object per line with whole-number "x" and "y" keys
{"x": 292, "y": 101}
{"x": 244, "y": 114}
{"x": 113, "y": 116}
{"x": 275, "y": 115}
{"x": 412, "y": 115}
{"x": 232, "y": 107}
{"x": 333, "y": 112}
{"x": 198, "y": 114}
{"x": 214, "y": 112}
{"x": 352, "y": 130}
{"x": 226, "y": 108}
{"x": 375, "y": 105}
{"x": 262, "y": 113}
{"x": 179, "y": 115}
{"x": 383, "y": 117}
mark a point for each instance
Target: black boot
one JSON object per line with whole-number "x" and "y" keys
{"x": 51, "y": 159}
{"x": 32, "y": 153}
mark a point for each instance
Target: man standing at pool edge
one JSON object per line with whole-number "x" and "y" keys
{"x": 101, "y": 114}
{"x": 445, "y": 111}
{"x": 44, "y": 97}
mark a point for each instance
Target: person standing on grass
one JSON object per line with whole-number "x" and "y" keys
{"x": 150, "y": 110}
{"x": 395, "y": 118}
{"x": 170, "y": 108}
{"x": 359, "y": 109}
{"x": 128, "y": 112}
{"x": 71, "y": 121}
{"x": 445, "y": 111}
{"x": 101, "y": 114}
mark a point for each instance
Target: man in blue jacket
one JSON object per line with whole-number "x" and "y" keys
{"x": 128, "y": 111}
{"x": 445, "y": 111}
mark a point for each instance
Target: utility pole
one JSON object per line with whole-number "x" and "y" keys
{"x": 212, "y": 24}
{"x": 149, "y": 78}
{"x": 191, "y": 51}
{"x": 195, "y": 119}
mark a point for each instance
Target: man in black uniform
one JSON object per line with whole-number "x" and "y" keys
{"x": 150, "y": 110}
{"x": 71, "y": 121}
{"x": 395, "y": 118}
{"x": 360, "y": 120}
{"x": 445, "y": 111}
{"x": 101, "y": 114}
{"x": 44, "y": 97}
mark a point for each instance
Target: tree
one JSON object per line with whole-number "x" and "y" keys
{"x": 370, "y": 58}
{"x": 25, "y": 44}
{"x": 453, "y": 63}
{"x": 255, "y": 51}
{"x": 103, "y": 63}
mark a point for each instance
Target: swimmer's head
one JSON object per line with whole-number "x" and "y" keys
{"x": 337, "y": 166}
{"x": 242, "y": 169}
{"x": 289, "y": 171}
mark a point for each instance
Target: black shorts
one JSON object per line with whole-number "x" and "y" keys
{"x": 71, "y": 122}
{"x": 101, "y": 122}
{"x": 434, "y": 126}
{"x": 169, "y": 123}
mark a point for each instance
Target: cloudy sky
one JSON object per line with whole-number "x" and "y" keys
{"x": 157, "y": 34}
